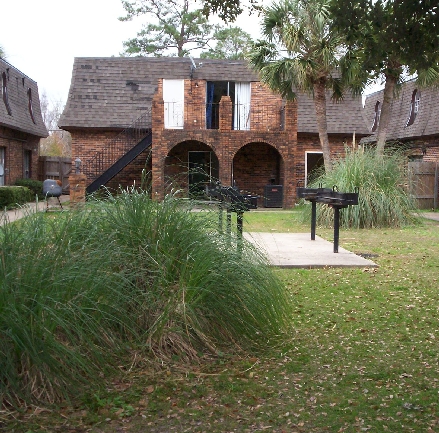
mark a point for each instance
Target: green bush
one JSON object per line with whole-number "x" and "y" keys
{"x": 12, "y": 196}
{"x": 382, "y": 183}
{"x": 36, "y": 186}
{"x": 83, "y": 292}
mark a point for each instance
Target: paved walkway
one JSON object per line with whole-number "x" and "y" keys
{"x": 431, "y": 215}
{"x": 16, "y": 214}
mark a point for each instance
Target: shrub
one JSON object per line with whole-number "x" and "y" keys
{"x": 82, "y": 292}
{"x": 11, "y": 196}
{"x": 36, "y": 186}
{"x": 382, "y": 183}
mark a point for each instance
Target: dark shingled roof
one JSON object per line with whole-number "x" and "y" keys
{"x": 114, "y": 91}
{"x": 426, "y": 122}
{"x": 344, "y": 117}
{"x": 19, "y": 119}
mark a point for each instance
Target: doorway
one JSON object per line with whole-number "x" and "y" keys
{"x": 27, "y": 159}
{"x": 173, "y": 99}
{"x": 240, "y": 95}
{"x": 314, "y": 166}
{"x": 202, "y": 170}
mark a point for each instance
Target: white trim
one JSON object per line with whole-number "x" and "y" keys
{"x": 306, "y": 163}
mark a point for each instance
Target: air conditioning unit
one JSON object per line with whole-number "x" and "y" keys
{"x": 273, "y": 196}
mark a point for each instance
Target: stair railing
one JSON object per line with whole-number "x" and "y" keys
{"x": 117, "y": 147}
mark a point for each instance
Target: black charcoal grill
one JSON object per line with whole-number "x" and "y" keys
{"x": 331, "y": 197}
{"x": 52, "y": 189}
{"x": 230, "y": 199}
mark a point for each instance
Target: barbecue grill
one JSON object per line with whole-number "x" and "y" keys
{"x": 331, "y": 197}
{"x": 51, "y": 188}
{"x": 230, "y": 199}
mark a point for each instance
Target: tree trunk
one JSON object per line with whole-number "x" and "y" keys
{"x": 322, "y": 126}
{"x": 389, "y": 89}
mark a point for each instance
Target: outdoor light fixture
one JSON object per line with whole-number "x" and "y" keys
{"x": 78, "y": 163}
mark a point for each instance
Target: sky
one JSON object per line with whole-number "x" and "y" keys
{"x": 41, "y": 38}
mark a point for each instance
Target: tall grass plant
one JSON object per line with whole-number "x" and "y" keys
{"x": 383, "y": 191}
{"x": 82, "y": 291}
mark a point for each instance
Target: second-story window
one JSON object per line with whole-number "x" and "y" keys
{"x": 376, "y": 119}
{"x": 414, "y": 107}
{"x": 5, "y": 93}
{"x": 29, "y": 105}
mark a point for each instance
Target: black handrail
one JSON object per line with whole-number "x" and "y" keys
{"x": 100, "y": 161}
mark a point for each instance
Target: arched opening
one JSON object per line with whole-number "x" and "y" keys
{"x": 189, "y": 167}
{"x": 256, "y": 168}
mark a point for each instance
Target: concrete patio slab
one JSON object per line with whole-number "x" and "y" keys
{"x": 297, "y": 250}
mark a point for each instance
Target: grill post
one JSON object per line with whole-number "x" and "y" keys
{"x": 336, "y": 227}
{"x": 313, "y": 220}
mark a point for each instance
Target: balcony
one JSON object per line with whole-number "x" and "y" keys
{"x": 239, "y": 117}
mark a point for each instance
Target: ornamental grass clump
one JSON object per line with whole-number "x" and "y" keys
{"x": 82, "y": 291}
{"x": 198, "y": 289}
{"x": 382, "y": 184}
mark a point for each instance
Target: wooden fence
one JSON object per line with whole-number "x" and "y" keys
{"x": 423, "y": 183}
{"x": 57, "y": 168}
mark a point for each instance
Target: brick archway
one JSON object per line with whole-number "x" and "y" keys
{"x": 188, "y": 166}
{"x": 257, "y": 165}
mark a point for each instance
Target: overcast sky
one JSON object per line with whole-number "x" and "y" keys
{"x": 42, "y": 37}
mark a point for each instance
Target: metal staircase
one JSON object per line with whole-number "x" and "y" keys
{"x": 123, "y": 149}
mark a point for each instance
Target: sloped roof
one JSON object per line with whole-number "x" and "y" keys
{"x": 344, "y": 117}
{"x": 426, "y": 121}
{"x": 111, "y": 92}
{"x": 15, "y": 112}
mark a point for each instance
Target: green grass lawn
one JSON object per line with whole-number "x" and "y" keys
{"x": 361, "y": 355}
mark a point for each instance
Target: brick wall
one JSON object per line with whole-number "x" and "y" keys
{"x": 15, "y": 144}
{"x": 428, "y": 148}
{"x": 264, "y": 143}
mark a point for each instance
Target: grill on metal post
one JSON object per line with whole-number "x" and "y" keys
{"x": 333, "y": 198}
{"x": 230, "y": 199}
{"x": 51, "y": 188}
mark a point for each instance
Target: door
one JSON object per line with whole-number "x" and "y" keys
{"x": 2, "y": 166}
{"x": 173, "y": 98}
{"x": 241, "y": 120}
{"x": 202, "y": 171}
{"x": 314, "y": 166}
{"x": 27, "y": 158}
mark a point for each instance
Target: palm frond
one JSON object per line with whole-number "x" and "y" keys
{"x": 429, "y": 77}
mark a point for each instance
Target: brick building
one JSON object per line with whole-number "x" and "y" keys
{"x": 21, "y": 125}
{"x": 413, "y": 120}
{"x": 189, "y": 123}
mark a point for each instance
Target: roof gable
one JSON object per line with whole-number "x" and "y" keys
{"x": 424, "y": 124}
{"x": 20, "y": 107}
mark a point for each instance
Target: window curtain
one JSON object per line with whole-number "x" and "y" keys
{"x": 209, "y": 104}
{"x": 241, "y": 119}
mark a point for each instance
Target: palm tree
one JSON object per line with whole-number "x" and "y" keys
{"x": 301, "y": 53}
